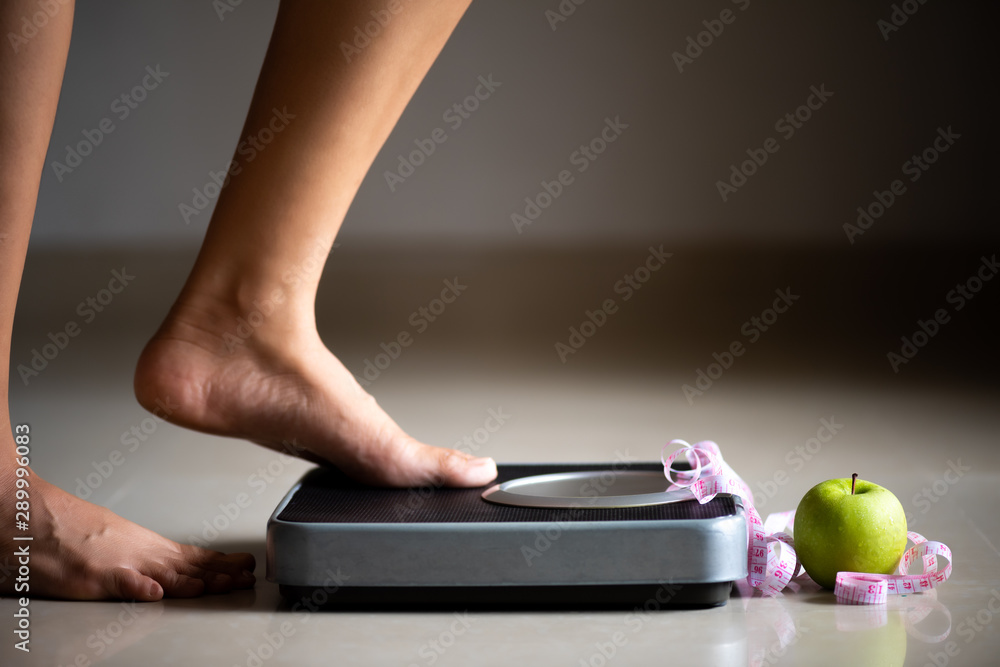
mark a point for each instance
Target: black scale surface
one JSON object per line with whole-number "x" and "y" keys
{"x": 329, "y": 496}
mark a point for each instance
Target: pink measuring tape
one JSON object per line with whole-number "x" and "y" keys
{"x": 771, "y": 561}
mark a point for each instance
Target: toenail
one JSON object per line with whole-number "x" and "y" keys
{"x": 247, "y": 574}
{"x": 479, "y": 462}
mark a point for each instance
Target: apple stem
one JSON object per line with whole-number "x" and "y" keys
{"x": 854, "y": 479}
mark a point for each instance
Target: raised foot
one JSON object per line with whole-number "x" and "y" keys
{"x": 276, "y": 387}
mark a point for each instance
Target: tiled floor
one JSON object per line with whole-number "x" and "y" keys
{"x": 621, "y": 392}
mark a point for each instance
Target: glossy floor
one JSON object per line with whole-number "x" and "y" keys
{"x": 179, "y": 483}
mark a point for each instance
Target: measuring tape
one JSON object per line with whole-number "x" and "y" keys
{"x": 771, "y": 561}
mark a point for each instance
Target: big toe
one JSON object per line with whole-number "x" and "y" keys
{"x": 419, "y": 464}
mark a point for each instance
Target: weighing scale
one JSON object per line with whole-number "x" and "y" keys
{"x": 541, "y": 535}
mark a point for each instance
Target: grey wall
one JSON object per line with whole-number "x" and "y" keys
{"x": 609, "y": 59}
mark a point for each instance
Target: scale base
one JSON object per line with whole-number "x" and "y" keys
{"x": 334, "y": 543}
{"x": 644, "y": 597}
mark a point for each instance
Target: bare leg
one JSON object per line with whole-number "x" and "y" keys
{"x": 79, "y": 550}
{"x": 330, "y": 114}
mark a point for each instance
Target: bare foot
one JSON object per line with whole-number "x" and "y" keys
{"x": 80, "y": 551}
{"x": 281, "y": 384}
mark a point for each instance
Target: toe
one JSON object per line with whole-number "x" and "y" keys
{"x": 233, "y": 563}
{"x": 128, "y": 584}
{"x": 237, "y": 567}
{"x": 422, "y": 464}
{"x": 461, "y": 469}
{"x": 175, "y": 584}
{"x": 215, "y": 581}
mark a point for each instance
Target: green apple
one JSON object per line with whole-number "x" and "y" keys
{"x": 849, "y": 525}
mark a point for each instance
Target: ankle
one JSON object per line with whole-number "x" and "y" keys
{"x": 244, "y": 284}
{"x": 269, "y": 315}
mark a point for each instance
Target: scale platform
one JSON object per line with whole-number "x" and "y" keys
{"x": 541, "y": 535}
